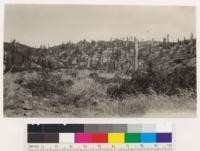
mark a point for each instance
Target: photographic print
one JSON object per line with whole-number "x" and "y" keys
{"x": 99, "y": 61}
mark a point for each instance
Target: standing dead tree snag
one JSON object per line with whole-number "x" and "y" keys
{"x": 136, "y": 50}
{"x": 133, "y": 57}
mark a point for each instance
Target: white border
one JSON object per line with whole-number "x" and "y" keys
{"x": 108, "y": 2}
{"x": 100, "y": 2}
{"x": 186, "y": 128}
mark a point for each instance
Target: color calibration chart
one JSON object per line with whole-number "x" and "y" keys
{"x": 100, "y": 137}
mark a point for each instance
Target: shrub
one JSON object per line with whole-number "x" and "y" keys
{"x": 84, "y": 92}
{"x": 94, "y": 76}
{"x": 117, "y": 78}
{"x": 157, "y": 81}
{"x": 113, "y": 90}
{"x": 182, "y": 78}
{"x": 44, "y": 83}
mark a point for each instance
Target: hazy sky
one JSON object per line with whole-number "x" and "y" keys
{"x": 52, "y": 24}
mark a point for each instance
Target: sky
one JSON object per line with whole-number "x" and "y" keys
{"x": 37, "y": 25}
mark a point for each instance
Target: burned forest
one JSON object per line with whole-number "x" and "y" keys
{"x": 122, "y": 77}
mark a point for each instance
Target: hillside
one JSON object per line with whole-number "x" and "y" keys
{"x": 100, "y": 78}
{"x": 110, "y": 56}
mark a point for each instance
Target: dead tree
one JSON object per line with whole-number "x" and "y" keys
{"x": 89, "y": 63}
{"x": 136, "y": 49}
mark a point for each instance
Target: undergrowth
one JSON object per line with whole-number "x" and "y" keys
{"x": 33, "y": 94}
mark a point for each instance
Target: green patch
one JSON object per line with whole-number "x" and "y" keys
{"x": 132, "y": 137}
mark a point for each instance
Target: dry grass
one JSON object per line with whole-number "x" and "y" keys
{"x": 138, "y": 106}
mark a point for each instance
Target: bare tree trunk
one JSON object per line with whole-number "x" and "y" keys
{"x": 136, "y": 49}
{"x": 89, "y": 62}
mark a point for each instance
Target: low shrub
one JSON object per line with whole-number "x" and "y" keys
{"x": 84, "y": 91}
{"x": 113, "y": 90}
{"x": 159, "y": 82}
{"x": 94, "y": 76}
{"x": 117, "y": 77}
{"x": 43, "y": 83}
{"x": 182, "y": 78}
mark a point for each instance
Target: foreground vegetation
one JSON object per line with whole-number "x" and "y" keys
{"x": 57, "y": 94}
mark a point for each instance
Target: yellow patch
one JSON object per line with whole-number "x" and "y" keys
{"x": 115, "y": 137}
